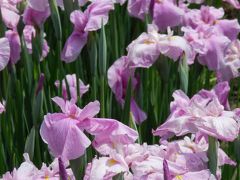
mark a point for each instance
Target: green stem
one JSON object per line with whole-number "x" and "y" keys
{"x": 212, "y": 155}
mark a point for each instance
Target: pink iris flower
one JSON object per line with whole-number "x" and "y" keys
{"x": 230, "y": 65}
{"x": 29, "y": 33}
{"x": 28, "y": 170}
{"x": 204, "y": 112}
{"x": 72, "y": 84}
{"x": 146, "y": 49}
{"x": 184, "y": 158}
{"x": 63, "y": 132}
{"x": 91, "y": 19}
{"x": 118, "y": 77}
{"x": 34, "y": 17}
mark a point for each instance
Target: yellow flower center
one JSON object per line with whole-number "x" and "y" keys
{"x": 111, "y": 162}
{"x": 179, "y": 177}
{"x": 147, "y": 41}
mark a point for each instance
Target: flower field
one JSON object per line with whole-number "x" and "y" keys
{"x": 117, "y": 89}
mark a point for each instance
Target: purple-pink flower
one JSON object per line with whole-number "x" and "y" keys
{"x": 73, "y": 89}
{"x": 29, "y": 32}
{"x": 60, "y": 130}
{"x": 203, "y": 112}
{"x": 63, "y": 132}
{"x": 145, "y": 50}
{"x": 118, "y": 76}
{"x": 34, "y": 17}
{"x": 91, "y": 19}
{"x": 28, "y": 170}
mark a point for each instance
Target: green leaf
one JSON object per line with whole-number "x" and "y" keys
{"x": 78, "y": 166}
{"x": 37, "y": 107}
{"x": 56, "y": 19}
{"x": 102, "y": 52}
{"x": 68, "y": 6}
{"x": 126, "y": 109}
{"x": 212, "y": 155}
{"x": 183, "y": 70}
{"x": 30, "y": 143}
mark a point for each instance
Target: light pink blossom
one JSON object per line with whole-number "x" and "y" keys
{"x": 72, "y": 84}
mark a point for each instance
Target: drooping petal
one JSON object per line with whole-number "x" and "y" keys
{"x": 138, "y": 115}
{"x": 63, "y": 137}
{"x": 138, "y": 8}
{"x": 15, "y": 45}
{"x": 97, "y": 13}
{"x": 166, "y": 14}
{"x": 73, "y": 46}
{"x": 34, "y": 17}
